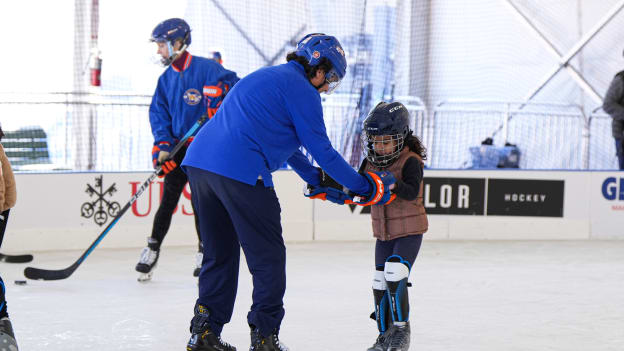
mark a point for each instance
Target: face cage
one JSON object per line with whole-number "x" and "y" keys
{"x": 378, "y": 160}
{"x": 333, "y": 80}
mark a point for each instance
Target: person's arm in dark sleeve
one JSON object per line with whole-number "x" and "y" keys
{"x": 409, "y": 186}
{"x": 362, "y": 166}
{"x": 301, "y": 165}
{"x": 612, "y": 101}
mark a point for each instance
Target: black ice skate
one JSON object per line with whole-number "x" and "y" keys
{"x": 7, "y": 338}
{"x": 261, "y": 343}
{"x": 202, "y": 337}
{"x": 399, "y": 340}
{"x": 382, "y": 342}
{"x": 148, "y": 260}
{"x": 208, "y": 341}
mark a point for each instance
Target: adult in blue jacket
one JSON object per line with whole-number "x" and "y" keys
{"x": 262, "y": 123}
{"x": 190, "y": 87}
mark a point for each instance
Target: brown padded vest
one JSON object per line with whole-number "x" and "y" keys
{"x": 400, "y": 217}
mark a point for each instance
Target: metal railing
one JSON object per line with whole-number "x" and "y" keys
{"x": 111, "y": 131}
{"x": 550, "y": 136}
{"x": 85, "y": 131}
{"x": 602, "y": 154}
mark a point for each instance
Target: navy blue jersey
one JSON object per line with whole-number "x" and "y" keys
{"x": 183, "y": 95}
{"x": 262, "y": 123}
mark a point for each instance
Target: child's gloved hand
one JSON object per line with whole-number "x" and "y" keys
{"x": 381, "y": 182}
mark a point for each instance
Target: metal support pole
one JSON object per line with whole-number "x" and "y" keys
{"x": 507, "y": 117}
{"x": 240, "y": 30}
{"x": 585, "y": 143}
{"x": 564, "y": 60}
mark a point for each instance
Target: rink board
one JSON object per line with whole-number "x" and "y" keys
{"x": 67, "y": 211}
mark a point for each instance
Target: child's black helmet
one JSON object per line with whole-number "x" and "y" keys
{"x": 390, "y": 120}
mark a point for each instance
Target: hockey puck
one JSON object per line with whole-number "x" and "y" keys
{"x": 20, "y": 282}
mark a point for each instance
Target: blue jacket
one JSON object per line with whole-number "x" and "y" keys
{"x": 262, "y": 123}
{"x": 182, "y": 96}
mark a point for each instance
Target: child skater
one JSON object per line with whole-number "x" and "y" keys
{"x": 398, "y": 225}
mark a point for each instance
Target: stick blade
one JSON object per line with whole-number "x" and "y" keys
{"x": 46, "y": 274}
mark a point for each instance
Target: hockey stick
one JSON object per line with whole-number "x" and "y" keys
{"x": 51, "y": 274}
{"x": 15, "y": 258}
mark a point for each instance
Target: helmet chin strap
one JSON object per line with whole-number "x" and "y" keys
{"x": 319, "y": 86}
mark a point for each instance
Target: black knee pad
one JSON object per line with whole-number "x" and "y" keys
{"x": 396, "y": 273}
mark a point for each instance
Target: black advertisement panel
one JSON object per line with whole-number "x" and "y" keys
{"x": 454, "y": 196}
{"x": 524, "y": 197}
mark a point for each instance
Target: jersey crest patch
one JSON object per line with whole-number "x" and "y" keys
{"x": 192, "y": 96}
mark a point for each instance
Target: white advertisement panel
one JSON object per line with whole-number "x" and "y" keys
{"x": 606, "y": 194}
{"x": 68, "y": 211}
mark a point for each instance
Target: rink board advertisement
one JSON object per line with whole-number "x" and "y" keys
{"x": 607, "y": 205}
{"x": 68, "y": 211}
{"x": 525, "y": 197}
{"x": 460, "y": 196}
{"x": 501, "y": 204}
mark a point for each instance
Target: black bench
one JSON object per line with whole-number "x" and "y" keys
{"x": 26, "y": 146}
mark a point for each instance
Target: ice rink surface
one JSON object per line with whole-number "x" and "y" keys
{"x": 468, "y": 296}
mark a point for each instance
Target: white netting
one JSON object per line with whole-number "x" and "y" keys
{"x": 407, "y": 50}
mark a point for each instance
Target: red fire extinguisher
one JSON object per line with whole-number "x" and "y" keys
{"x": 95, "y": 66}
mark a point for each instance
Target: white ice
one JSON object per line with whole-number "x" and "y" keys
{"x": 468, "y": 296}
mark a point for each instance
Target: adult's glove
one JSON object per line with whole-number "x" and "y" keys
{"x": 167, "y": 166}
{"x": 380, "y": 189}
{"x": 160, "y": 157}
{"x": 328, "y": 189}
{"x": 327, "y": 193}
{"x": 214, "y": 95}
{"x": 326, "y": 181}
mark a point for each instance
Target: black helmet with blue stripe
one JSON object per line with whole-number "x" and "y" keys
{"x": 386, "y": 123}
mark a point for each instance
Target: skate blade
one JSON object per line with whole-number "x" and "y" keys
{"x": 145, "y": 277}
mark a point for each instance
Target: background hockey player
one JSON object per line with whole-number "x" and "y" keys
{"x": 8, "y": 196}
{"x": 189, "y": 87}
{"x": 262, "y": 123}
{"x": 399, "y": 225}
